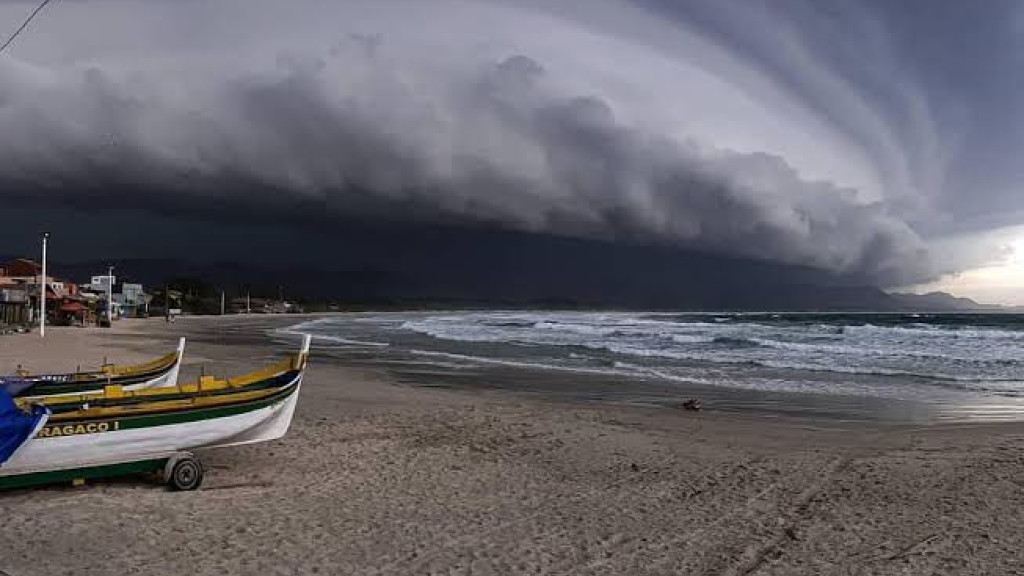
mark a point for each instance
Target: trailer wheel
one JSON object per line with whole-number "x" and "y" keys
{"x": 183, "y": 472}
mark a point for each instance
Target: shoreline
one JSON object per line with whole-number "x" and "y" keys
{"x": 139, "y": 340}
{"x": 766, "y": 390}
{"x": 382, "y": 477}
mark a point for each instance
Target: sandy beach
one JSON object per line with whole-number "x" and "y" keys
{"x": 380, "y": 477}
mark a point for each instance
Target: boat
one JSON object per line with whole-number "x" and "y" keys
{"x": 117, "y": 432}
{"x": 156, "y": 373}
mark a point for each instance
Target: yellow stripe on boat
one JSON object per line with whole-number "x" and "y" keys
{"x": 114, "y": 371}
{"x": 205, "y": 384}
{"x": 159, "y": 363}
{"x": 165, "y": 405}
{"x": 153, "y": 396}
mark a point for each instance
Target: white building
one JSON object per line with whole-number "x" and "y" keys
{"x": 102, "y": 283}
{"x": 131, "y": 300}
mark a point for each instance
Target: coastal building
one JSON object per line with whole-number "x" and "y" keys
{"x": 20, "y": 292}
{"x": 23, "y": 271}
{"x": 66, "y": 302}
{"x": 14, "y": 305}
{"x": 131, "y": 301}
{"x": 97, "y": 293}
{"x": 21, "y": 268}
{"x": 102, "y": 283}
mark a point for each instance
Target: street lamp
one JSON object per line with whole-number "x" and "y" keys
{"x": 42, "y": 291}
{"x": 110, "y": 295}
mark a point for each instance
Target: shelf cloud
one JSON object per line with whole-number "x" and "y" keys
{"x": 644, "y": 124}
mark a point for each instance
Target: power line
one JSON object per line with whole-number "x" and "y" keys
{"x": 24, "y": 25}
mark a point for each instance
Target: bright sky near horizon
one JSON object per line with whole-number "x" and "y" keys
{"x": 999, "y": 283}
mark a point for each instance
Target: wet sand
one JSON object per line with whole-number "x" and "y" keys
{"x": 379, "y": 477}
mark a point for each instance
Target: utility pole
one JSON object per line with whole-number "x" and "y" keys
{"x": 110, "y": 295}
{"x": 42, "y": 291}
{"x": 221, "y": 302}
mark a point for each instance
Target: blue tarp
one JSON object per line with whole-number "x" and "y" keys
{"x": 16, "y": 425}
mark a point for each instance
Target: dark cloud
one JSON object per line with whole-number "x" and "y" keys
{"x": 499, "y": 148}
{"x": 795, "y": 135}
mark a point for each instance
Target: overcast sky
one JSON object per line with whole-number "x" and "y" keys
{"x": 877, "y": 138}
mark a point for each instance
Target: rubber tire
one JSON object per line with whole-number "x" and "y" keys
{"x": 186, "y": 474}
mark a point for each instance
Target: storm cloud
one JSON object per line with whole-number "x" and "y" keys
{"x": 486, "y": 113}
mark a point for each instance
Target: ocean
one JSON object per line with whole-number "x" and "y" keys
{"x": 891, "y": 367}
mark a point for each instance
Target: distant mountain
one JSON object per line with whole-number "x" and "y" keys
{"x": 940, "y": 302}
{"x": 445, "y": 267}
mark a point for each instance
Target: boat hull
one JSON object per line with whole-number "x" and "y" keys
{"x": 89, "y": 445}
{"x": 72, "y": 385}
{"x": 165, "y": 380}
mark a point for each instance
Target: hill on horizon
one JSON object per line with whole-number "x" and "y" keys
{"x": 519, "y": 270}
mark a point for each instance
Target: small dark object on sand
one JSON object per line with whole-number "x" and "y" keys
{"x": 692, "y": 404}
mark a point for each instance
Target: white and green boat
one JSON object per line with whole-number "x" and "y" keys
{"x": 117, "y": 432}
{"x": 157, "y": 373}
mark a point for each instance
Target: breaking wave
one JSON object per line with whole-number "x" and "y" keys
{"x": 878, "y": 355}
{"x": 847, "y": 345}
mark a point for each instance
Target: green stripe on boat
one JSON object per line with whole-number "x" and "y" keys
{"x": 179, "y": 416}
{"x": 58, "y": 476}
